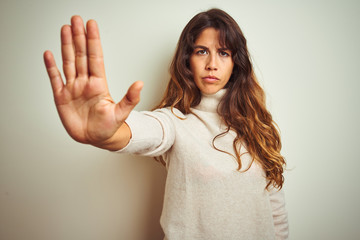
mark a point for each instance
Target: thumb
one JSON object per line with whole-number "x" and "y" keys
{"x": 129, "y": 101}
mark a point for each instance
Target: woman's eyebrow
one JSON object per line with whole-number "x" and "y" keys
{"x": 224, "y": 49}
{"x": 200, "y": 46}
{"x": 206, "y": 48}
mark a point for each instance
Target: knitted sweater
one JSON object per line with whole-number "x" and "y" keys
{"x": 205, "y": 196}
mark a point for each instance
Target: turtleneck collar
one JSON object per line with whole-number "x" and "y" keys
{"x": 210, "y": 102}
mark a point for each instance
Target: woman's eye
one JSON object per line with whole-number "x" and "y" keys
{"x": 201, "y": 52}
{"x": 224, "y": 54}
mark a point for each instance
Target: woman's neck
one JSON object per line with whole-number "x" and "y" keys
{"x": 210, "y": 102}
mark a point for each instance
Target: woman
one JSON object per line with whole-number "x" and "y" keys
{"x": 211, "y": 130}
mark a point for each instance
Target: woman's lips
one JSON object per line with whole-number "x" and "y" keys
{"x": 210, "y": 79}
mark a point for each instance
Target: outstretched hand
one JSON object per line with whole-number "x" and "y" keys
{"x": 83, "y": 102}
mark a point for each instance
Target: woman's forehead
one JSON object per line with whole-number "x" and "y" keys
{"x": 211, "y": 36}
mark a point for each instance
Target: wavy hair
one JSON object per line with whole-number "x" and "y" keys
{"x": 243, "y": 107}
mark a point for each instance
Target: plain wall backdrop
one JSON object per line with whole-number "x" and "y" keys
{"x": 306, "y": 55}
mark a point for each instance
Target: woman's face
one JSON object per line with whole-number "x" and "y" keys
{"x": 210, "y": 63}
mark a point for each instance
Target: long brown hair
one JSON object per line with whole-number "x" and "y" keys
{"x": 243, "y": 106}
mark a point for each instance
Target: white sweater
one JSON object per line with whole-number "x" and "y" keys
{"x": 205, "y": 196}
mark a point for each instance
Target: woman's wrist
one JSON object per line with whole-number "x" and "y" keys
{"x": 118, "y": 141}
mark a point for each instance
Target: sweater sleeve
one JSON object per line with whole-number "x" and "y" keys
{"x": 152, "y": 133}
{"x": 280, "y": 216}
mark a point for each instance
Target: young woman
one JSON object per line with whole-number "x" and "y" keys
{"x": 211, "y": 130}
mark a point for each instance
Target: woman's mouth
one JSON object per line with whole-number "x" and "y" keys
{"x": 210, "y": 79}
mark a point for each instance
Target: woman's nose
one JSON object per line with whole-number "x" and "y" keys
{"x": 211, "y": 63}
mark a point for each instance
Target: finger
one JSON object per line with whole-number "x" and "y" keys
{"x": 53, "y": 72}
{"x": 95, "y": 53}
{"x": 129, "y": 101}
{"x": 79, "y": 38}
{"x": 68, "y": 54}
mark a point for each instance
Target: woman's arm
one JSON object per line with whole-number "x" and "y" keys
{"x": 153, "y": 133}
{"x": 83, "y": 102}
{"x": 280, "y": 216}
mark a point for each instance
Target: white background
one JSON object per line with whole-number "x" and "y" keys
{"x": 306, "y": 54}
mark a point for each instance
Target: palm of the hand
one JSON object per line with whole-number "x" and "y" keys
{"x": 87, "y": 110}
{"x": 84, "y": 104}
